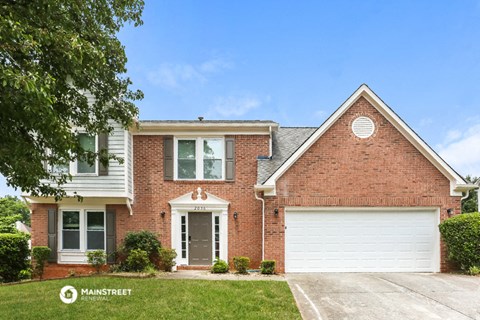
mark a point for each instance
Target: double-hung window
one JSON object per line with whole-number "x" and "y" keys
{"x": 200, "y": 158}
{"x": 83, "y": 230}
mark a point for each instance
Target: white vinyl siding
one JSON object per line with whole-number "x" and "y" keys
{"x": 118, "y": 180}
{"x": 362, "y": 240}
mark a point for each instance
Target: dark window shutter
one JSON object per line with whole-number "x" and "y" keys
{"x": 230, "y": 159}
{"x": 52, "y": 234}
{"x": 168, "y": 158}
{"x": 110, "y": 235}
{"x": 103, "y": 148}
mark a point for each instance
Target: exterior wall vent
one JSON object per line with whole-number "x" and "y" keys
{"x": 363, "y": 127}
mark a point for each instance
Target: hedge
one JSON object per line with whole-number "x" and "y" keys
{"x": 14, "y": 254}
{"x": 461, "y": 234}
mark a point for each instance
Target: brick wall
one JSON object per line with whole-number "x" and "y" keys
{"x": 152, "y": 194}
{"x": 39, "y": 219}
{"x": 340, "y": 169}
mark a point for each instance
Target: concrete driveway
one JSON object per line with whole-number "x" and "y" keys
{"x": 362, "y": 296}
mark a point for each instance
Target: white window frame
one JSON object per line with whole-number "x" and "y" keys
{"x": 198, "y": 157}
{"x": 83, "y": 228}
{"x": 74, "y": 167}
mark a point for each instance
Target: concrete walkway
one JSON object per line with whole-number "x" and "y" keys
{"x": 207, "y": 275}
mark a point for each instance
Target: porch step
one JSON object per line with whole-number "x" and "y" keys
{"x": 193, "y": 267}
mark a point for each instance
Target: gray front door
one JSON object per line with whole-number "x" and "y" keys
{"x": 199, "y": 238}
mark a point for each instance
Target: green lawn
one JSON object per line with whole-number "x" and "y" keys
{"x": 151, "y": 299}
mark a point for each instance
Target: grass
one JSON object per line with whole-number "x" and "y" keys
{"x": 151, "y": 299}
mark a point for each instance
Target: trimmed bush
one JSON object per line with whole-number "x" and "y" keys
{"x": 137, "y": 260}
{"x": 167, "y": 258}
{"x": 143, "y": 240}
{"x": 14, "y": 254}
{"x": 40, "y": 256}
{"x": 267, "y": 267}
{"x": 462, "y": 236}
{"x": 241, "y": 264}
{"x": 97, "y": 259}
{"x": 219, "y": 266}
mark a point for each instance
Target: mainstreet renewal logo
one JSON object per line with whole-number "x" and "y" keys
{"x": 69, "y": 294}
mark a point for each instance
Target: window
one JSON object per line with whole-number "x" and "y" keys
{"x": 83, "y": 229}
{"x": 71, "y": 229}
{"x": 184, "y": 237}
{"x": 88, "y": 143}
{"x": 217, "y": 237}
{"x": 186, "y": 159}
{"x": 95, "y": 230}
{"x": 212, "y": 159}
{"x": 200, "y": 159}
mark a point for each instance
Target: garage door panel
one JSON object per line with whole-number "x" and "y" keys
{"x": 361, "y": 241}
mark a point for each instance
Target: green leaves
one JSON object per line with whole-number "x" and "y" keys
{"x": 61, "y": 66}
{"x": 462, "y": 236}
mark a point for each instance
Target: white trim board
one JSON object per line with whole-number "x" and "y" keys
{"x": 457, "y": 183}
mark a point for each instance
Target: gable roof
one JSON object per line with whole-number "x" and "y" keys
{"x": 457, "y": 183}
{"x": 285, "y": 142}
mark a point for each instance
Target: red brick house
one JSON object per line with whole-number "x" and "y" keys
{"x": 362, "y": 192}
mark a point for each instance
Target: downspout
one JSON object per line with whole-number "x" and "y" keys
{"x": 129, "y": 206}
{"x": 263, "y": 223}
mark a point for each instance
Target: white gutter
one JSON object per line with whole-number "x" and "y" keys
{"x": 263, "y": 223}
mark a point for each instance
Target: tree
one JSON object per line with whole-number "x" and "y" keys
{"x": 53, "y": 55}
{"x": 12, "y": 206}
{"x": 470, "y": 204}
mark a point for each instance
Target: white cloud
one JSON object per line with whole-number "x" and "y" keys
{"x": 320, "y": 114}
{"x": 234, "y": 106}
{"x": 175, "y": 76}
{"x": 461, "y": 149}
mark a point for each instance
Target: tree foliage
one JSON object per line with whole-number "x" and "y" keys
{"x": 12, "y": 206}
{"x": 471, "y": 203}
{"x": 53, "y": 55}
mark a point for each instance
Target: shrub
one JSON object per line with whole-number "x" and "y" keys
{"x": 167, "y": 258}
{"x": 462, "y": 237}
{"x": 267, "y": 267}
{"x": 219, "y": 266}
{"x": 97, "y": 259}
{"x": 241, "y": 264}
{"x": 14, "y": 254}
{"x": 474, "y": 270}
{"x": 150, "y": 270}
{"x": 143, "y": 240}
{"x": 25, "y": 274}
{"x": 137, "y": 260}
{"x": 40, "y": 256}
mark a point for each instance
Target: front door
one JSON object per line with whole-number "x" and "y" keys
{"x": 200, "y": 238}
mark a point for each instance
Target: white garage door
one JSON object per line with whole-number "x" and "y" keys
{"x": 361, "y": 240}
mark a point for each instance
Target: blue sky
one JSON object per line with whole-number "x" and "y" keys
{"x": 295, "y": 62}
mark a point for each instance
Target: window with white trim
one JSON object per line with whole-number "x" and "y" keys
{"x": 83, "y": 229}
{"x": 88, "y": 143}
{"x": 200, "y": 158}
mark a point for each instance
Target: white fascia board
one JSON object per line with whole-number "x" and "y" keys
{"x": 394, "y": 119}
{"x": 199, "y": 132}
{"x": 75, "y": 202}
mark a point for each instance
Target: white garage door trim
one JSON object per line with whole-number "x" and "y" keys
{"x": 298, "y": 264}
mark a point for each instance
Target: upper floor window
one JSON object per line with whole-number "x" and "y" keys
{"x": 200, "y": 158}
{"x": 88, "y": 143}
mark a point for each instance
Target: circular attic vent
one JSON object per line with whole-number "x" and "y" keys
{"x": 363, "y": 127}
